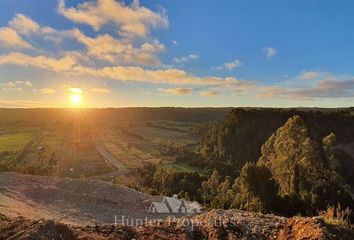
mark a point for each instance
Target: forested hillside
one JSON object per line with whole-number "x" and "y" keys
{"x": 287, "y": 161}
{"x": 238, "y": 138}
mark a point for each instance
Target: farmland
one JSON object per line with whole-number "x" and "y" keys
{"x": 95, "y": 143}
{"x": 14, "y": 142}
{"x": 12, "y": 146}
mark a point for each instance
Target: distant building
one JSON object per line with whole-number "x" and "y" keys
{"x": 158, "y": 207}
{"x": 173, "y": 205}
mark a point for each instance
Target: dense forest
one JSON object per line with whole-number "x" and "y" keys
{"x": 286, "y": 161}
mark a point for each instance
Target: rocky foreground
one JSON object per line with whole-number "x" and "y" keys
{"x": 216, "y": 224}
{"x": 34, "y": 207}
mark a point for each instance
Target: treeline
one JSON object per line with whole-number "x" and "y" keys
{"x": 42, "y": 117}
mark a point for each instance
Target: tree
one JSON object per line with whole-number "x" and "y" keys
{"x": 209, "y": 188}
{"x": 255, "y": 189}
{"x": 331, "y": 152}
{"x": 293, "y": 158}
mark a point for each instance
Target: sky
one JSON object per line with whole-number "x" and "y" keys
{"x": 115, "y": 53}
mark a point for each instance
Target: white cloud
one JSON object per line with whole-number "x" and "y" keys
{"x": 25, "y": 83}
{"x": 174, "y": 42}
{"x": 10, "y": 84}
{"x": 270, "y": 52}
{"x": 14, "y": 89}
{"x": 105, "y": 47}
{"x": 130, "y": 21}
{"x": 208, "y": 93}
{"x": 17, "y": 85}
{"x": 185, "y": 59}
{"x": 74, "y": 90}
{"x": 230, "y": 65}
{"x": 26, "y": 26}
{"x": 9, "y": 38}
{"x": 102, "y": 47}
{"x": 47, "y": 90}
{"x": 175, "y": 91}
{"x": 309, "y": 75}
{"x": 23, "y": 24}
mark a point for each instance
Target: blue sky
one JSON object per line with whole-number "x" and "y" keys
{"x": 177, "y": 53}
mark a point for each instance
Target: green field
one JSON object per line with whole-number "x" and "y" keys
{"x": 14, "y": 142}
{"x": 182, "y": 167}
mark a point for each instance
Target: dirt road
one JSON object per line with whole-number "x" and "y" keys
{"x": 110, "y": 158}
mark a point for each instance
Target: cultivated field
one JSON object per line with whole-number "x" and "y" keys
{"x": 86, "y": 144}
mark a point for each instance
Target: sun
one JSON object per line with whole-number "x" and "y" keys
{"x": 75, "y": 99}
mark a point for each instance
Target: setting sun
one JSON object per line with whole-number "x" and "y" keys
{"x": 75, "y": 99}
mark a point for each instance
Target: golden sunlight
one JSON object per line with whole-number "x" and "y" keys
{"x": 75, "y": 99}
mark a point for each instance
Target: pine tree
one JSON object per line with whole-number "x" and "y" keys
{"x": 293, "y": 157}
{"x": 209, "y": 189}
{"x": 255, "y": 189}
{"x": 331, "y": 152}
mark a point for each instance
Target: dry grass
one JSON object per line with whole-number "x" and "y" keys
{"x": 336, "y": 216}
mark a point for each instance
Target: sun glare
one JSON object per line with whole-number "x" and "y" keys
{"x": 75, "y": 99}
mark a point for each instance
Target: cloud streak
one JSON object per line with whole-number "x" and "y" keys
{"x": 230, "y": 65}
{"x": 186, "y": 59}
{"x": 68, "y": 65}
{"x": 208, "y": 93}
{"x": 101, "y": 90}
{"x": 322, "y": 89}
{"x": 175, "y": 91}
{"x": 47, "y": 90}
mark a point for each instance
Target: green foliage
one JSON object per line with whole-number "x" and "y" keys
{"x": 293, "y": 157}
{"x": 168, "y": 181}
{"x": 255, "y": 189}
{"x": 306, "y": 175}
{"x": 331, "y": 152}
{"x": 209, "y": 189}
{"x": 14, "y": 141}
{"x": 228, "y": 144}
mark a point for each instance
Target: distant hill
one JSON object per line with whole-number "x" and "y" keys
{"x": 42, "y": 116}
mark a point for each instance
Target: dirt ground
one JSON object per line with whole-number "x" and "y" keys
{"x": 73, "y": 201}
{"x": 213, "y": 225}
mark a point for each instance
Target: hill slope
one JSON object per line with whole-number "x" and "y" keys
{"x": 35, "y": 207}
{"x": 72, "y": 201}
